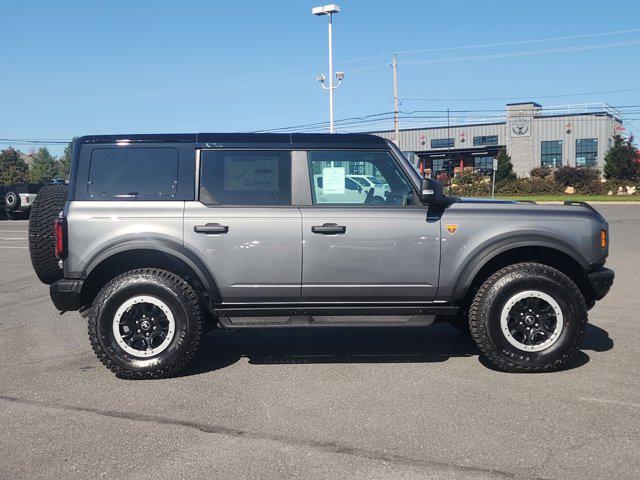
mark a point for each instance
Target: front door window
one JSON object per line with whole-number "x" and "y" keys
{"x": 355, "y": 177}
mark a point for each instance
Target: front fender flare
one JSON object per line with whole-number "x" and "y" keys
{"x": 492, "y": 248}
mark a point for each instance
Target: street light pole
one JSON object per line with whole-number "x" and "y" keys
{"x": 331, "y": 130}
{"x": 329, "y": 10}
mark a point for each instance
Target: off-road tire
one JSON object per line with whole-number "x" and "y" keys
{"x": 485, "y": 312}
{"x": 45, "y": 209}
{"x": 184, "y": 305}
{"x": 15, "y": 204}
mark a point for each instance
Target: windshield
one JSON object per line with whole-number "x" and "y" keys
{"x": 411, "y": 171}
{"x": 361, "y": 181}
{"x": 376, "y": 181}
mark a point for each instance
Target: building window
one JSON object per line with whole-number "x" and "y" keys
{"x": 586, "y": 152}
{"x": 442, "y": 143}
{"x": 437, "y": 165}
{"x": 551, "y": 153}
{"x": 485, "y": 140}
{"x": 483, "y": 165}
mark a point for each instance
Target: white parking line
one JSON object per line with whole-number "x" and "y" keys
{"x": 10, "y": 246}
{"x": 13, "y": 238}
{"x": 606, "y": 401}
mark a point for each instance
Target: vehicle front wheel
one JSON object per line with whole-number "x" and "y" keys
{"x": 528, "y": 317}
{"x": 146, "y": 323}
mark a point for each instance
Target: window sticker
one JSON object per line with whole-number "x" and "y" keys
{"x": 333, "y": 180}
{"x": 251, "y": 174}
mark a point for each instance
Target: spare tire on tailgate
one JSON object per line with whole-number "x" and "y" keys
{"x": 45, "y": 209}
{"x": 12, "y": 200}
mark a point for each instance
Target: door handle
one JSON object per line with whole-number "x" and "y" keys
{"x": 211, "y": 228}
{"x": 329, "y": 229}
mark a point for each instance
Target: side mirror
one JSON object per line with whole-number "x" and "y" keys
{"x": 432, "y": 193}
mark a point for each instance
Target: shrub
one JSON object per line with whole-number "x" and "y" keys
{"x": 477, "y": 189}
{"x": 530, "y": 186}
{"x": 576, "y": 176}
{"x": 443, "y": 177}
{"x": 541, "y": 172}
{"x": 468, "y": 177}
{"x": 596, "y": 188}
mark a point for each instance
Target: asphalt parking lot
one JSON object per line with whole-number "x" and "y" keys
{"x": 345, "y": 403}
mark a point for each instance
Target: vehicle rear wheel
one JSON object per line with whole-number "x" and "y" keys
{"x": 45, "y": 209}
{"x": 528, "y": 317}
{"x": 146, "y": 323}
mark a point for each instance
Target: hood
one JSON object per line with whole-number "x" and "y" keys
{"x": 533, "y": 206}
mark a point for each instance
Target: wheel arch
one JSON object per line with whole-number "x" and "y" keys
{"x": 544, "y": 250}
{"x": 159, "y": 253}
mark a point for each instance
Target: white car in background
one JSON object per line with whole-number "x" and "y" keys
{"x": 17, "y": 205}
{"x": 353, "y": 192}
{"x": 369, "y": 182}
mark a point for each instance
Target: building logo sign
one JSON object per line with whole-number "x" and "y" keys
{"x": 520, "y": 126}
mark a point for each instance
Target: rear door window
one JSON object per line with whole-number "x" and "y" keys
{"x": 245, "y": 177}
{"x": 133, "y": 172}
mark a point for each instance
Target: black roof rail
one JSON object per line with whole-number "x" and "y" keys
{"x": 575, "y": 203}
{"x": 223, "y": 139}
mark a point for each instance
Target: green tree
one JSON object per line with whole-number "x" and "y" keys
{"x": 620, "y": 160}
{"x": 64, "y": 164}
{"x": 13, "y": 168}
{"x": 505, "y": 168}
{"x": 44, "y": 166}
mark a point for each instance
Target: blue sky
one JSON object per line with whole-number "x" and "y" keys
{"x": 77, "y": 67}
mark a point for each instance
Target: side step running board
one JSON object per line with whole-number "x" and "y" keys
{"x": 318, "y": 315}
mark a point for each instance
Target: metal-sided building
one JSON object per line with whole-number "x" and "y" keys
{"x": 532, "y": 136}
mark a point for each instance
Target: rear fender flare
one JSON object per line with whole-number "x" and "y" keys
{"x": 164, "y": 246}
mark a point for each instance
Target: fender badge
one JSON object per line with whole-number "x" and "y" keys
{"x": 451, "y": 228}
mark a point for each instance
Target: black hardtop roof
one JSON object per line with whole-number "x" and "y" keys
{"x": 246, "y": 139}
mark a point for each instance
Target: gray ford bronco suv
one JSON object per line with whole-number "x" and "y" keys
{"x": 159, "y": 238}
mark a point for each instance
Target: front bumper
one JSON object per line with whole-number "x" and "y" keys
{"x": 601, "y": 281}
{"x": 67, "y": 294}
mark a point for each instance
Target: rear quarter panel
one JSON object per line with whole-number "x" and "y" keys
{"x": 93, "y": 226}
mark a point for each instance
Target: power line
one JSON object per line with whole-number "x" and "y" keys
{"x": 444, "y": 49}
{"x": 601, "y": 92}
{"x": 495, "y": 56}
{"x": 419, "y": 62}
{"x": 523, "y": 42}
{"x": 421, "y": 114}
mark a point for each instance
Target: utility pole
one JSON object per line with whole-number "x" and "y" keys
{"x": 396, "y": 122}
